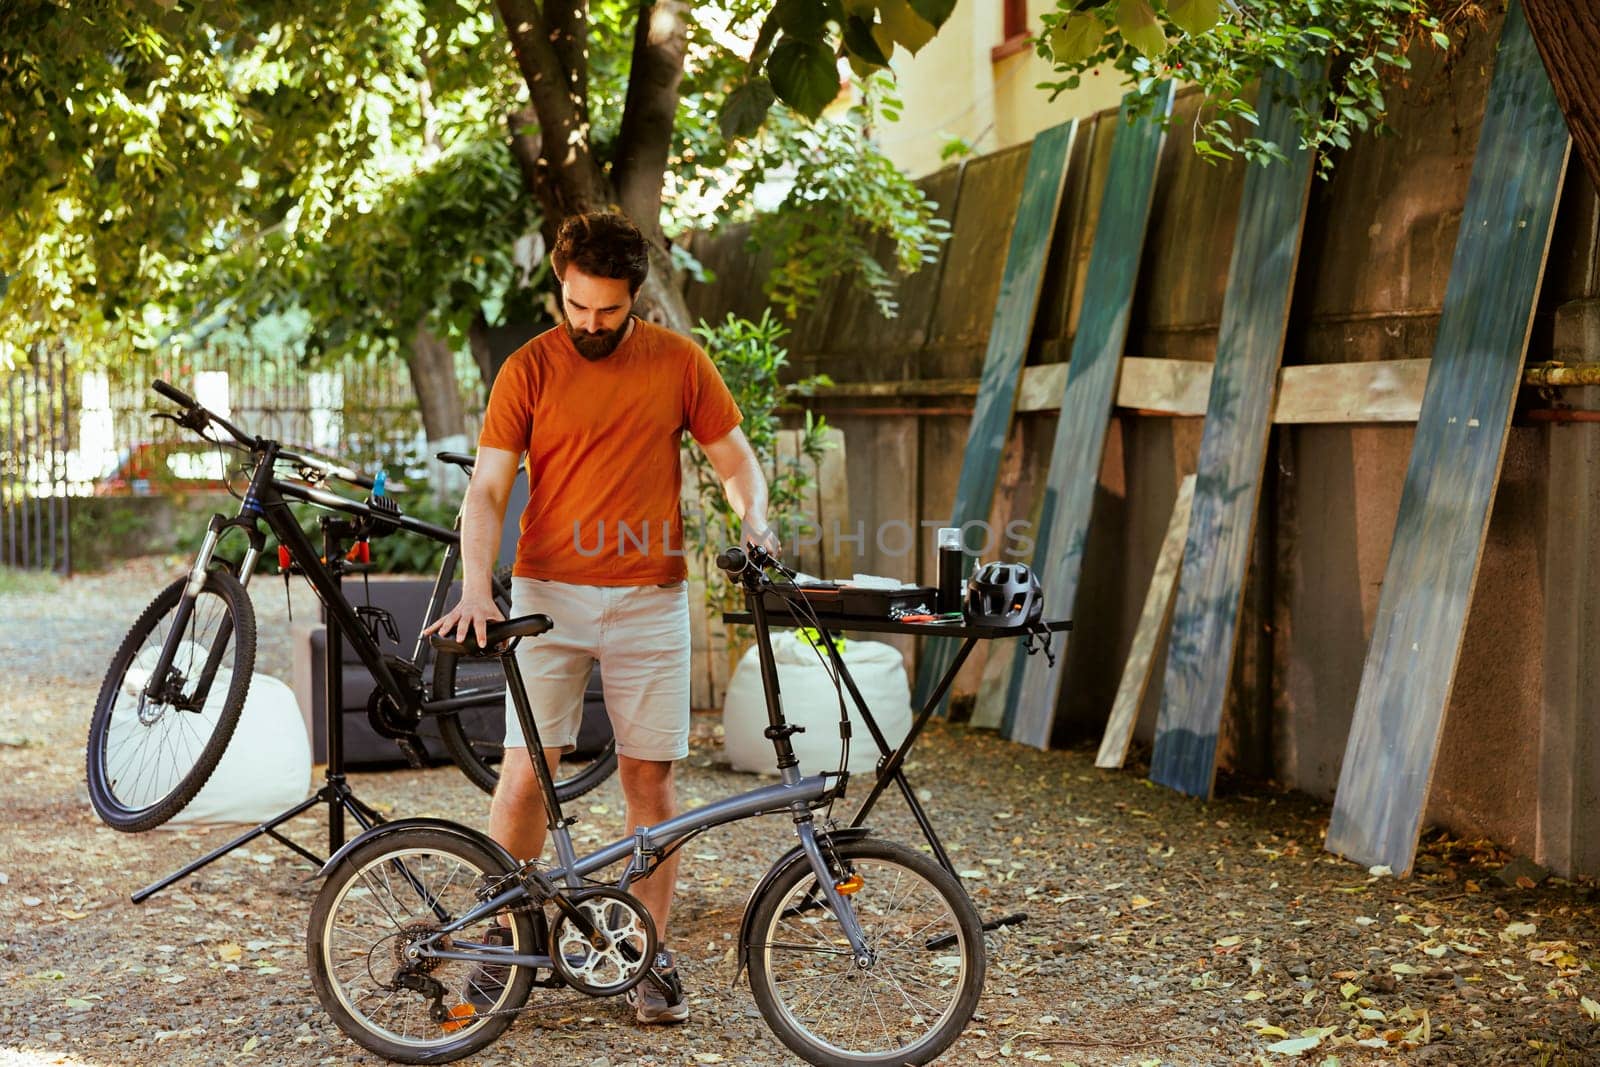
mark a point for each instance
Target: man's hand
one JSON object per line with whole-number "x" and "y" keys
{"x": 757, "y": 532}
{"x": 471, "y": 616}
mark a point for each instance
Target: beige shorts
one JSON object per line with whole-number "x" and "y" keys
{"x": 639, "y": 635}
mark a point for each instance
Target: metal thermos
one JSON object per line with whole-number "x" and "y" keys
{"x": 949, "y": 568}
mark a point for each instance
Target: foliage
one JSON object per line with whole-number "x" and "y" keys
{"x": 138, "y": 140}
{"x": 750, "y": 359}
{"x": 1224, "y": 48}
{"x": 795, "y": 56}
{"x": 322, "y": 179}
{"x": 845, "y": 194}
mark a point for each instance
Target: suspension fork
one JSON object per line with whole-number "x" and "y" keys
{"x": 185, "y": 611}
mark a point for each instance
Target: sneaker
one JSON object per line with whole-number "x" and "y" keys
{"x": 487, "y": 981}
{"x": 659, "y": 998}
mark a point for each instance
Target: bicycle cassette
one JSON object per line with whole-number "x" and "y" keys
{"x": 613, "y": 959}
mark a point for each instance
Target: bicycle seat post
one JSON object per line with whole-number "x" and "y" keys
{"x": 555, "y": 821}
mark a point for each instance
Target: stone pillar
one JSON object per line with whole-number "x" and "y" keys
{"x": 1569, "y": 742}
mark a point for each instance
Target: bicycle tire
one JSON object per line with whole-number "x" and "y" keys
{"x": 384, "y": 893}
{"x": 168, "y": 758}
{"x": 479, "y": 760}
{"x": 918, "y": 921}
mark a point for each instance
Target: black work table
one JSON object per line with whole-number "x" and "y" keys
{"x": 892, "y": 760}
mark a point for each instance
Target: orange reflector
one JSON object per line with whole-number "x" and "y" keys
{"x": 850, "y": 885}
{"x": 459, "y": 1015}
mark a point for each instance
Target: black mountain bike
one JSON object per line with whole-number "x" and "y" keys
{"x": 177, "y": 684}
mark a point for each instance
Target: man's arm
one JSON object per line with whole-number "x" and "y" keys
{"x": 746, "y": 487}
{"x": 481, "y": 520}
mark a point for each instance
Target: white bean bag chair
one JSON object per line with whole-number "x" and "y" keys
{"x": 810, "y": 700}
{"x": 265, "y": 768}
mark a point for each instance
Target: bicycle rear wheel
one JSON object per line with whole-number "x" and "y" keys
{"x": 384, "y": 897}
{"x": 927, "y": 966}
{"x": 153, "y": 743}
{"x": 479, "y": 758}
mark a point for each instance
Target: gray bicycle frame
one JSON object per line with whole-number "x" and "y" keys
{"x": 794, "y": 793}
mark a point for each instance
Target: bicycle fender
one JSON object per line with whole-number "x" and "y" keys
{"x": 466, "y": 833}
{"x": 787, "y": 860}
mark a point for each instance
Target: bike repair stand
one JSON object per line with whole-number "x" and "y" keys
{"x": 335, "y": 791}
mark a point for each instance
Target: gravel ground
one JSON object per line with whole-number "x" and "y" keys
{"x": 1160, "y": 931}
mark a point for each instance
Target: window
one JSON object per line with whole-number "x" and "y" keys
{"x": 1014, "y": 30}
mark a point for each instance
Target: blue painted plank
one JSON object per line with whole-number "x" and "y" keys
{"x": 1034, "y": 686}
{"x": 1233, "y": 449}
{"x": 1009, "y": 333}
{"x": 1455, "y": 461}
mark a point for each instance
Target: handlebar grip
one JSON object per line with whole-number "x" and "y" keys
{"x": 732, "y": 560}
{"x": 173, "y": 393}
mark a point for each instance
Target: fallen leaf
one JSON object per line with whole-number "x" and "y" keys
{"x": 1403, "y": 968}
{"x": 1141, "y": 902}
{"x": 1294, "y": 1046}
{"x": 1590, "y": 1008}
{"x": 1516, "y": 930}
{"x": 65, "y": 914}
{"x": 249, "y": 1046}
{"x": 229, "y": 952}
{"x": 31, "y": 902}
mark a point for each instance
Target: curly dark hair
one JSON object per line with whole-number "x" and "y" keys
{"x": 605, "y": 244}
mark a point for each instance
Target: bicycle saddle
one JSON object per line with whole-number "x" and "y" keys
{"x": 460, "y": 459}
{"x": 499, "y": 633}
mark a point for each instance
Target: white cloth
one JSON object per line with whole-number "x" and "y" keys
{"x": 266, "y": 767}
{"x": 810, "y": 700}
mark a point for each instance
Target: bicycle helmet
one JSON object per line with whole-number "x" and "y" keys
{"x": 1004, "y": 594}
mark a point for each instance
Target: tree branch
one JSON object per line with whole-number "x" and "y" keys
{"x": 566, "y": 178}
{"x": 660, "y": 42}
{"x": 568, "y": 21}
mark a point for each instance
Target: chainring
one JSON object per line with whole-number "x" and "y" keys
{"x": 618, "y": 956}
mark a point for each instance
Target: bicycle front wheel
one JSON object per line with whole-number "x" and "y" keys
{"x": 387, "y": 896}
{"x": 926, "y": 972}
{"x": 153, "y": 742}
{"x": 479, "y": 757}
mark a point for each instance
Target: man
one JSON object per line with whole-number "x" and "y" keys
{"x": 599, "y": 405}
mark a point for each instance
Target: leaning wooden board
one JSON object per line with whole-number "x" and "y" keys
{"x": 1152, "y": 624}
{"x": 1233, "y": 449}
{"x": 1009, "y": 333}
{"x": 1030, "y": 695}
{"x": 1455, "y": 461}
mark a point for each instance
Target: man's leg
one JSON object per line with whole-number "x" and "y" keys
{"x": 647, "y": 790}
{"x": 516, "y": 812}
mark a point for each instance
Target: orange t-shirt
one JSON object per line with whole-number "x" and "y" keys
{"x": 602, "y": 440}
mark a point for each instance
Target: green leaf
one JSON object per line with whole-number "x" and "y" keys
{"x": 801, "y": 18}
{"x": 933, "y": 12}
{"x": 746, "y": 108}
{"x": 1076, "y": 39}
{"x": 803, "y": 75}
{"x": 901, "y": 25}
{"x": 1442, "y": 40}
{"x": 1194, "y": 17}
{"x": 1137, "y": 21}
{"x": 862, "y": 44}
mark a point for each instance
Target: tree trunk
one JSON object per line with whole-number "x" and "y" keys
{"x": 558, "y": 166}
{"x": 433, "y": 379}
{"x": 1568, "y": 37}
{"x": 478, "y": 342}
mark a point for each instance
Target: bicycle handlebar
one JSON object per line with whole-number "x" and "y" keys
{"x": 197, "y": 418}
{"x": 173, "y": 393}
{"x": 747, "y": 565}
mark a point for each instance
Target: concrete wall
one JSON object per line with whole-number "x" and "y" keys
{"x": 1518, "y": 761}
{"x": 956, "y": 88}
